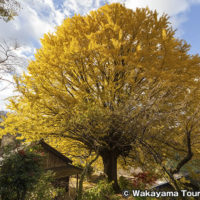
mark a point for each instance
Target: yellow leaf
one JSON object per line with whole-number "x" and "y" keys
{"x": 164, "y": 34}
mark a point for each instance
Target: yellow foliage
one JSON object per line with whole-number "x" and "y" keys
{"x": 164, "y": 34}
{"x": 184, "y": 180}
{"x": 108, "y": 70}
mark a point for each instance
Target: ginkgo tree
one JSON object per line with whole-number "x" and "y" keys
{"x": 116, "y": 82}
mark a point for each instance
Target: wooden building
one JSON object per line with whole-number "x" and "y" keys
{"x": 60, "y": 164}
{"x": 55, "y": 161}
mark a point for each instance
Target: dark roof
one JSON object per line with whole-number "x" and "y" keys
{"x": 54, "y": 151}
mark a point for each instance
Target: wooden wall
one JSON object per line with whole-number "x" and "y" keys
{"x": 52, "y": 161}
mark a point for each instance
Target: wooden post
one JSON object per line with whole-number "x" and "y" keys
{"x": 76, "y": 182}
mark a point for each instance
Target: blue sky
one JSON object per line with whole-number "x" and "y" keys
{"x": 41, "y": 16}
{"x": 191, "y": 29}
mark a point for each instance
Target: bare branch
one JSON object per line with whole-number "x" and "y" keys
{"x": 9, "y": 61}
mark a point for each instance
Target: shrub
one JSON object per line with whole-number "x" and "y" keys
{"x": 102, "y": 191}
{"x": 144, "y": 179}
{"x": 20, "y": 171}
{"x": 44, "y": 189}
{"x": 125, "y": 184}
{"x": 22, "y": 176}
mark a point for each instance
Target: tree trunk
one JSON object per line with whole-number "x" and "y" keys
{"x": 110, "y": 168}
{"x": 80, "y": 189}
{"x": 23, "y": 194}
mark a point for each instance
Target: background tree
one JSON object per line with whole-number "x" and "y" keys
{"x": 115, "y": 80}
{"x": 9, "y": 61}
{"x": 8, "y": 9}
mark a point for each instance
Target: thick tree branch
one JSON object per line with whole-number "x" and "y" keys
{"x": 189, "y": 155}
{"x": 158, "y": 160}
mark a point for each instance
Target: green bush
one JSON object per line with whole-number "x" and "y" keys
{"x": 22, "y": 176}
{"x": 124, "y": 183}
{"x": 20, "y": 171}
{"x": 44, "y": 189}
{"x": 102, "y": 191}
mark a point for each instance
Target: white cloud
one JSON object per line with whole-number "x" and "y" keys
{"x": 81, "y": 7}
{"x": 176, "y": 9}
{"x": 6, "y": 90}
{"x": 171, "y": 7}
{"x": 36, "y": 18}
